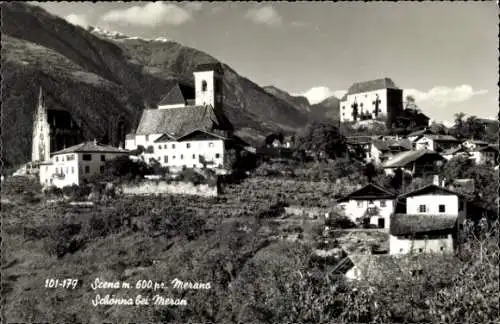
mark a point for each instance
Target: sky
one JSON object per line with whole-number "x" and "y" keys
{"x": 445, "y": 54}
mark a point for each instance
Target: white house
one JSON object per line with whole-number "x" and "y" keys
{"x": 484, "y": 155}
{"x": 73, "y": 165}
{"x": 454, "y": 152}
{"x": 370, "y": 100}
{"x": 472, "y": 144}
{"x": 436, "y": 143}
{"x": 372, "y": 202}
{"x": 427, "y": 220}
{"x": 178, "y": 134}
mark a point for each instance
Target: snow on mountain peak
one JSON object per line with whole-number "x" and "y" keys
{"x": 101, "y": 32}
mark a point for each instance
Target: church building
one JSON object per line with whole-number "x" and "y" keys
{"x": 189, "y": 128}
{"x": 371, "y": 100}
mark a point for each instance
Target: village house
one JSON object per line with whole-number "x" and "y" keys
{"x": 418, "y": 134}
{"x": 371, "y": 100}
{"x": 359, "y": 147}
{"x": 484, "y": 155}
{"x": 187, "y": 132}
{"x": 371, "y": 204}
{"x": 383, "y": 149}
{"x": 436, "y": 143}
{"x": 472, "y": 144}
{"x": 72, "y": 166}
{"x": 416, "y": 163}
{"x": 427, "y": 220}
{"x": 455, "y": 152}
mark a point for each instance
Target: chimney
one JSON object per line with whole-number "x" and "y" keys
{"x": 436, "y": 181}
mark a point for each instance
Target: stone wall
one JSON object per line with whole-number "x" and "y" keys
{"x": 152, "y": 187}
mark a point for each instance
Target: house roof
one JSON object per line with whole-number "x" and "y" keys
{"x": 130, "y": 136}
{"x": 387, "y": 144}
{"x": 368, "y": 192}
{"x": 421, "y": 132}
{"x": 489, "y": 148}
{"x": 431, "y": 188}
{"x": 477, "y": 142}
{"x": 372, "y": 85}
{"x": 454, "y": 150}
{"x": 404, "y": 158}
{"x": 441, "y": 138}
{"x": 178, "y": 94}
{"x": 180, "y": 121}
{"x": 217, "y": 67}
{"x": 91, "y": 147}
{"x": 358, "y": 139}
{"x": 405, "y": 224}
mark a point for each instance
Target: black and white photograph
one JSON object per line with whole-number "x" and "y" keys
{"x": 249, "y": 162}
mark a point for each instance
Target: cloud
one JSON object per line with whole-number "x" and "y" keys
{"x": 441, "y": 96}
{"x": 318, "y": 94}
{"x": 149, "y": 15}
{"x": 77, "y": 20}
{"x": 194, "y": 6}
{"x": 299, "y": 24}
{"x": 265, "y": 16}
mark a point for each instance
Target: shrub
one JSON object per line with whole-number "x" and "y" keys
{"x": 340, "y": 221}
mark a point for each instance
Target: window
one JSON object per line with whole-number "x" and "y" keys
{"x": 203, "y": 85}
{"x": 147, "y": 138}
{"x": 159, "y": 147}
{"x": 57, "y": 159}
{"x": 217, "y": 155}
{"x": 101, "y": 169}
{"x": 87, "y": 169}
{"x": 442, "y": 208}
{"x": 103, "y": 158}
{"x": 422, "y": 209}
{"x": 210, "y": 144}
{"x": 360, "y": 204}
{"x": 87, "y": 157}
{"x": 194, "y": 156}
{"x": 441, "y": 248}
{"x": 194, "y": 165}
{"x": 70, "y": 157}
{"x": 420, "y": 250}
{"x": 461, "y": 205}
{"x": 400, "y": 250}
{"x": 57, "y": 169}
{"x": 72, "y": 169}
{"x": 173, "y": 157}
{"x": 182, "y": 156}
{"x": 382, "y": 203}
{"x": 188, "y": 145}
{"x": 173, "y": 146}
{"x": 165, "y": 159}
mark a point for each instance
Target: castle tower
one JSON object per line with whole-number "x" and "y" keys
{"x": 41, "y": 132}
{"x": 208, "y": 80}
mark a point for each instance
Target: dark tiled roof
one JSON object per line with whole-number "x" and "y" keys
{"x": 217, "y": 67}
{"x": 370, "y": 191}
{"x": 431, "y": 188}
{"x": 180, "y": 121}
{"x": 386, "y": 145}
{"x": 178, "y": 94}
{"x": 91, "y": 147}
{"x": 453, "y": 150}
{"x": 404, "y": 158}
{"x": 372, "y": 85}
{"x": 489, "y": 148}
{"x": 407, "y": 224}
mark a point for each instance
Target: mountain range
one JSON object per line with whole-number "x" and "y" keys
{"x": 101, "y": 77}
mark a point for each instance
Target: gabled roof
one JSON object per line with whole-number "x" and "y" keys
{"x": 216, "y": 67}
{"x": 372, "y": 85}
{"x": 441, "y": 138}
{"x": 404, "y": 158}
{"x": 387, "y": 144}
{"x": 178, "y": 94}
{"x": 454, "y": 150}
{"x": 408, "y": 224}
{"x": 421, "y": 132}
{"x": 90, "y": 147}
{"x": 431, "y": 188}
{"x": 180, "y": 121}
{"x": 369, "y": 192}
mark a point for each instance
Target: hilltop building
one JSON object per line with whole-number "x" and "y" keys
{"x": 53, "y": 130}
{"x": 73, "y": 165}
{"x": 189, "y": 128}
{"x": 371, "y": 100}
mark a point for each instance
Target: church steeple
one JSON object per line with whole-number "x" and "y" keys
{"x": 41, "y": 132}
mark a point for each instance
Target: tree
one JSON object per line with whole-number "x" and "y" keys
{"x": 369, "y": 171}
{"x": 322, "y": 139}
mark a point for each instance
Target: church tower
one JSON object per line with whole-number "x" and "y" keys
{"x": 41, "y": 132}
{"x": 208, "y": 79}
